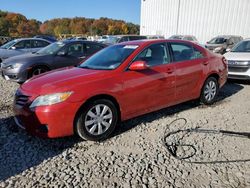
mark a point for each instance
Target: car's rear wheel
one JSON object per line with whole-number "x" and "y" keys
{"x": 38, "y": 70}
{"x": 209, "y": 91}
{"x": 97, "y": 120}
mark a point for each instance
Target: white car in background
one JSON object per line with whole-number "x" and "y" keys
{"x": 239, "y": 61}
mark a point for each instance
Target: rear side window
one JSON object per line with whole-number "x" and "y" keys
{"x": 38, "y": 44}
{"x": 92, "y": 48}
{"x": 154, "y": 55}
{"x": 184, "y": 52}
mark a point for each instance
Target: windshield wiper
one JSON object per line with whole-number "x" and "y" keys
{"x": 85, "y": 67}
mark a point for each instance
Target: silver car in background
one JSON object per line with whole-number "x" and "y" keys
{"x": 22, "y": 46}
{"x": 239, "y": 61}
{"x": 184, "y": 37}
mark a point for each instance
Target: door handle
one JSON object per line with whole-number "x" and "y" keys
{"x": 205, "y": 63}
{"x": 169, "y": 71}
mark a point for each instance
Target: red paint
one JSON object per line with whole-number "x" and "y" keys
{"x": 136, "y": 92}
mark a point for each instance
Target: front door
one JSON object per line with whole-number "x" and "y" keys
{"x": 153, "y": 88}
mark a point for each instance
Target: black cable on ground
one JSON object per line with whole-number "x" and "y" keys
{"x": 173, "y": 147}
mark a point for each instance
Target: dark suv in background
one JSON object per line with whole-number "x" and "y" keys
{"x": 222, "y": 44}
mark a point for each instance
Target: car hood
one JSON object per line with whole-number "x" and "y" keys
{"x": 4, "y": 53}
{"x": 62, "y": 80}
{"x": 25, "y": 58}
{"x": 237, "y": 56}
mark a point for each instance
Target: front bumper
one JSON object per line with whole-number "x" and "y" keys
{"x": 239, "y": 72}
{"x": 46, "y": 121}
{"x": 15, "y": 75}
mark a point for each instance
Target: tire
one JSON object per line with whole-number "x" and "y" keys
{"x": 37, "y": 70}
{"x": 91, "y": 126}
{"x": 209, "y": 91}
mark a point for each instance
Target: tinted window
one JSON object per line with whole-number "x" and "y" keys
{"x": 137, "y": 37}
{"x": 154, "y": 55}
{"x": 23, "y": 44}
{"x": 123, "y": 39}
{"x": 218, "y": 40}
{"x": 184, "y": 52}
{"x": 38, "y": 44}
{"x": 242, "y": 47}
{"x": 93, "y": 48}
{"x": 76, "y": 50}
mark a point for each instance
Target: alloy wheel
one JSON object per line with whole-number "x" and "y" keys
{"x": 210, "y": 90}
{"x": 98, "y": 119}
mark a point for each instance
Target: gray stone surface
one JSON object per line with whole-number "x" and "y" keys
{"x": 135, "y": 155}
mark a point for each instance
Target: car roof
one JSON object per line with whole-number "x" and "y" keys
{"x": 227, "y": 36}
{"x": 21, "y": 39}
{"x": 150, "y": 41}
{"x": 84, "y": 41}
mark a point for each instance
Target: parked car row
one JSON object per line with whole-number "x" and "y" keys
{"x": 56, "y": 55}
{"x": 104, "y": 84}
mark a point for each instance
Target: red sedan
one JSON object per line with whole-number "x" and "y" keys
{"x": 118, "y": 83}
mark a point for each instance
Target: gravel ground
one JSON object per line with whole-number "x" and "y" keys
{"x": 135, "y": 155}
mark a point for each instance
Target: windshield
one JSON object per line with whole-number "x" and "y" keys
{"x": 242, "y": 47}
{"x": 8, "y": 44}
{"x": 109, "y": 58}
{"x": 51, "y": 49}
{"x": 219, "y": 40}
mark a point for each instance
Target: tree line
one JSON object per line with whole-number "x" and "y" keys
{"x": 17, "y": 25}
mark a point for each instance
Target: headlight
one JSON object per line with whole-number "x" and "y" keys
{"x": 217, "y": 49}
{"x": 14, "y": 66}
{"x": 51, "y": 99}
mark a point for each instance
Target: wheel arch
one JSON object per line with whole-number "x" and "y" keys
{"x": 96, "y": 97}
{"x": 31, "y": 67}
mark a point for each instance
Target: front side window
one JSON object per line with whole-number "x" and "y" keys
{"x": 217, "y": 40}
{"x": 184, "y": 52}
{"x": 23, "y": 44}
{"x": 109, "y": 58}
{"x": 51, "y": 49}
{"x": 154, "y": 55}
{"x": 76, "y": 50}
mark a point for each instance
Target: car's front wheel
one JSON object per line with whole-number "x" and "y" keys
{"x": 38, "y": 70}
{"x": 97, "y": 120}
{"x": 209, "y": 91}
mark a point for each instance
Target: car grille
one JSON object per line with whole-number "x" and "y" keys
{"x": 237, "y": 69}
{"x": 20, "y": 99}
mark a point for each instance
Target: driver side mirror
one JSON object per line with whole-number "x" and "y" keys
{"x": 13, "y": 48}
{"x": 62, "y": 53}
{"x": 138, "y": 65}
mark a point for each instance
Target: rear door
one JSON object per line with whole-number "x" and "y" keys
{"x": 189, "y": 64}
{"x": 153, "y": 88}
